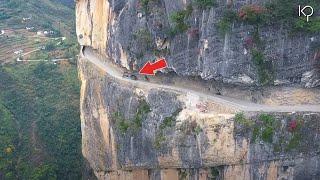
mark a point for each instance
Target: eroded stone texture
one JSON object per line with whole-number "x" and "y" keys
{"x": 132, "y": 34}
{"x": 183, "y": 136}
{"x": 194, "y": 143}
{"x": 93, "y": 18}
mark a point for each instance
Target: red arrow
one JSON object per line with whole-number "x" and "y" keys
{"x": 151, "y": 68}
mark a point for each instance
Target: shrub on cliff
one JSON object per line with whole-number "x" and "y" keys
{"x": 179, "y": 18}
{"x": 225, "y": 23}
{"x": 253, "y": 14}
{"x": 203, "y": 4}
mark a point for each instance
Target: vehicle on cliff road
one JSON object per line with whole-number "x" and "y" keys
{"x": 129, "y": 75}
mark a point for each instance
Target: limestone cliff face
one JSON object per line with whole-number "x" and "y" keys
{"x": 92, "y": 23}
{"x": 133, "y": 32}
{"x": 134, "y": 132}
{"x": 146, "y": 133}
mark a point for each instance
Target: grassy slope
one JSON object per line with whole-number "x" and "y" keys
{"x": 44, "y": 14}
{"x": 47, "y": 95}
{"x": 40, "y": 136}
{"x": 8, "y": 142}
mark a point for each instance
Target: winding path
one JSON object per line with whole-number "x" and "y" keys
{"x": 38, "y": 60}
{"x": 241, "y": 105}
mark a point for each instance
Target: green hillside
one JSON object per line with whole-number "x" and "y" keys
{"x": 39, "y": 114}
{"x": 43, "y": 14}
{"x": 40, "y": 132}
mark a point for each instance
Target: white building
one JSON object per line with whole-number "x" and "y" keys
{"x": 29, "y": 28}
{"x": 18, "y": 52}
{"x": 26, "y": 19}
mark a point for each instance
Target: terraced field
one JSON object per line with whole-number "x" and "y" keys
{"x": 15, "y": 40}
{"x": 39, "y": 100}
{"x": 45, "y": 15}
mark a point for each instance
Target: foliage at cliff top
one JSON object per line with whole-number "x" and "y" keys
{"x": 203, "y": 4}
{"x": 274, "y": 13}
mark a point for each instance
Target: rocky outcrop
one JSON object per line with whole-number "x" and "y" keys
{"x": 133, "y": 32}
{"x": 136, "y": 132}
{"x": 151, "y": 133}
{"x": 311, "y": 79}
{"x": 92, "y": 23}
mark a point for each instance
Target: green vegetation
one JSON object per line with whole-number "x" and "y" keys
{"x": 3, "y": 16}
{"x": 9, "y": 138}
{"x": 267, "y": 119}
{"x": 280, "y": 12}
{"x": 145, "y": 5}
{"x": 267, "y": 134}
{"x": 135, "y": 124}
{"x": 40, "y": 136}
{"x": 44, "y": 172}
{"x": 160, "y": 139}
{"x": 313, "y": 26}
{"x": 170, "y": 121}
{"x": 57, "y": 49}
{"x": 265, "y": 75}
{"x": 144, "y": 37}
{"x": 263, "y": 128}
{"x": 50, "y": 45}
{"x": 70, "y": 48}
{"x": 166, "y": 123}
{"x": 58, "y": 15}
{"x": 214, "y": 173}
{"x": 296, "y": 136}
{"x": 198, "y": 130}
{"x": 224, "y": 25}
{"x": 274, "y": 13}
{"x": 203, "y": 4}
{"x": 142, "y": 111}
{"x": 179, "y": 19}
{"x": 183, "y": 174}
{"x": 283, "y": 12}
{"x": 253, "y": 15}
{"x": 266, "y": 131}
{"x": 40, "y": 55}
{"x": 255, "y": 134}
{"x": 121, "y": 122}
{"x": 40, "y": 99}
{"x": 256, "y": 16}
{"x": 242, "y": 120}
{"x": 294, "y": 142}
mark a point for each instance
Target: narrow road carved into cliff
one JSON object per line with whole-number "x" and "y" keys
{"x": 114, "y": 71}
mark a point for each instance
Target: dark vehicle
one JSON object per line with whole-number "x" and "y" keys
{"x": 146, "y": 78}
{"x": 129, "y": 76}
